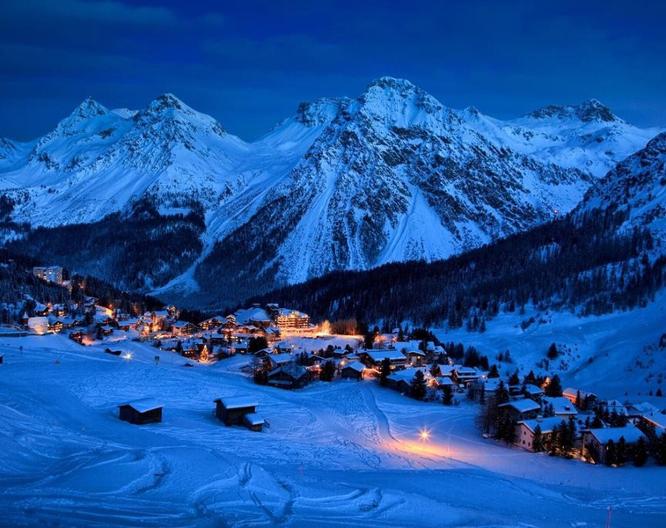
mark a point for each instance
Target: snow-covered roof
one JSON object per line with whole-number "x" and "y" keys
{"x": 523, "y": 405}
{"x": 547, "y": 425}
{"x": 571, "y": 393}
{"x": 643, "y": 408}
{"x": 630, "y": 433}
{"x": 533, "y": 389}
{"x": 279, "y": 359}
{"x": 657, "y": 419}
{"x": 614, "y": 406}
{"x": 237, "y": 402}
{"x": 356, "y": 365}
{"x": 561, "y": 405}
{"x": 292, "y": 369}
{"x": 144, "y": 404}
{"x": 253, "y": 419}
{"x": 441, "y": 381}
{"x": 380, "y": 355}
{"x": 255, "y": 313}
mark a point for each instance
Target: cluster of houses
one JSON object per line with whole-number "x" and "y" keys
{"x": 230, "y": 411}
{"x": 596, "y": 425}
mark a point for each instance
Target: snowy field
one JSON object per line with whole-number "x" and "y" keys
{"x": 336, "y": 454}
{"x": 616, "y": 356}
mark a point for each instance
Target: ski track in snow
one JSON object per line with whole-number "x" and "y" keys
{"x": 338, "y": 454}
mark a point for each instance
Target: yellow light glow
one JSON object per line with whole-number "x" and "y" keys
{"x": 424, "y": 434}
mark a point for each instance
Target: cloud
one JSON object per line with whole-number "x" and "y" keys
{"x": 105, "y": 11}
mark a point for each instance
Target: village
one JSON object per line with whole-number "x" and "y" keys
{"x": 285, "y": 350}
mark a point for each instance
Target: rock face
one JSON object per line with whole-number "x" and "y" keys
{"x": 637, "y": 186}
{"x": 392, "y": 175}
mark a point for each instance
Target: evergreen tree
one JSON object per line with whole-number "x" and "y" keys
{"x": 418, "y": 386}
{"x": 384, "y": 371}
{"x": 327, "y": 372}
{"x": 554, "y": 388}
{"x": 640, "y": 453}
{"x": 493, "y": 373}
{"x": 537, "y": 441}
{"x": 435, "y": 371}
{"x": 514, "y": 379}
{"x": 552, "y": 351}
{"x": 447, "y": 395}
{"x": 610, "y": 453}
{"x": 579, "y": 401}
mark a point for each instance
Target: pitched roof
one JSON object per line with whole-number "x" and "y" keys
{"x": 356, "y": 365}
{"x": 561, "y": 405}
{"x": 522, "y": 406}
{"x": 630, "y": 433}
{"x": 253, "y": 419}
{"x": 236, "y": 402}
{"x": 380, "y": 355}
{"x": 547, "y": 425}
{"x": 144, "y": 405}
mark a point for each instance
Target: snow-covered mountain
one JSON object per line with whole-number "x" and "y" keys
{"x": 345, "y": 183}
{"x": 636, "y": 186}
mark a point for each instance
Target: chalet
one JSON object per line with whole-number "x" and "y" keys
{"x": 595, "y": 441}
{"x": 353, "y": 370}
{"x": 241, "y": 347}
{"x": 533, "y": 392}
{"x": 106, "y": 330}
{"x": 374, "y": 358}
{"x": 486, "y": 387}
{"x": 587, "y": 399}
{"x": 277, "y": 360}
{"x": 525, "y": 431}
{"x": 141, "y": 412}
{"x": 654, "y": 424}
{"x": 401, "y": 380}
{"x": 614, "y": 407}
{"x": 77, "y": 336}
{"x": 232, "y": 411}
{"x": 180, "y": 328}
{"x": 212, "y": 323}
{"x": 416, "y": 358}
{"x": 253, "y": 422}
{"x": 523, "y": 409}
{"x": 637, "y": 410}
{"x": 560, "y": 405}
{"x": 284, "y": 347}
{"x": 289, "y": 376}
{"x": 465, "y": 375}
{"x": 128, "y": 324}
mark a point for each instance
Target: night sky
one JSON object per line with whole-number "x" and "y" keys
{"x": 249, "y": 63}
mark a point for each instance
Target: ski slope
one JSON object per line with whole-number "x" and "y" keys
{"x": 335, "y": 454}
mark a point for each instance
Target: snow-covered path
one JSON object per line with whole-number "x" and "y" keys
{"x": 338, "y": 454}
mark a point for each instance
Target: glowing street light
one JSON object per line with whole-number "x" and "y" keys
{"x": 127, "y": 356}
{"x": 424, "y": 434}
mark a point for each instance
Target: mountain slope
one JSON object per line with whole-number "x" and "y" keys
{"x": 607, "y": 254}
{"x": 392, "y": 175}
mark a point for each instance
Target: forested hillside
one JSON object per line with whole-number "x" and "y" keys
{"x": 582, "y": 264}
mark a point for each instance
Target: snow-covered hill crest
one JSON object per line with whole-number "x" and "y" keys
{"x": 391, "y": 175}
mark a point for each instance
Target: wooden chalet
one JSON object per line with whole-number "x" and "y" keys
{"x": 233, "y": 411}
{"x": 353, "y": 370}
{"x": 289, "y": 376}
{"x": 144, "y": 411}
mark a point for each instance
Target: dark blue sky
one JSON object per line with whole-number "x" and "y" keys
{"x": 249, "y": 63}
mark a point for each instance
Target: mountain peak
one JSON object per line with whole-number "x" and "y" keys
{"x": 167, "y": 101}
{"x": 398, "y": 99}
{"x": 590, "y": 110}
{"x": 88, "y": 108}
{"x": 319, "y": 111}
